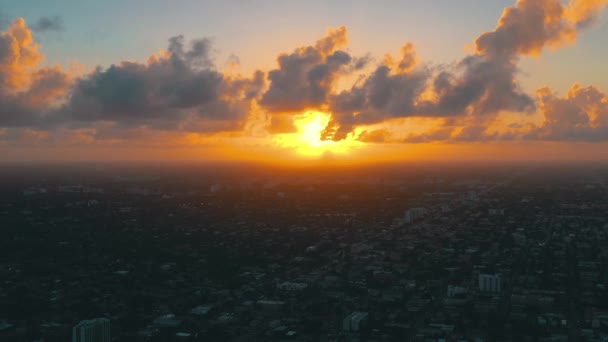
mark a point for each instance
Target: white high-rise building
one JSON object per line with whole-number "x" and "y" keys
{"x": 94, "y": 330}
{"x": 490, "y": 283}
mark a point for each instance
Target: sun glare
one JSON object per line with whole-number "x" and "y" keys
{"x": 307, "y": 141}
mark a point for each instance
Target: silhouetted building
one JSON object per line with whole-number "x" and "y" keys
{"x": 355, "y": 321}
{"x": 490, "y": 282}
{"x": 95, "y": 330}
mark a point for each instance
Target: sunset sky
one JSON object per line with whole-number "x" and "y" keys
{"x": 286, "y": 81}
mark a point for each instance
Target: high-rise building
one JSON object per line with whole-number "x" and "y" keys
{"x": 355, "y": 321}
{"x": 94, "y": 330}
{"x": 490, "y": 282}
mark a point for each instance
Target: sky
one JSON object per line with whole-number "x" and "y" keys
{"x": 335, "y": 81}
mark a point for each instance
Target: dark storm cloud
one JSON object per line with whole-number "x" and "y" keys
{"x": 45, "y": 24}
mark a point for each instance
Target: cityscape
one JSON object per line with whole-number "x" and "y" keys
{"x": 393, "y": 253}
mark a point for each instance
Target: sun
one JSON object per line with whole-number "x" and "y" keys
{"x": 307, "y": 141}
{"x": 310, "y": 127}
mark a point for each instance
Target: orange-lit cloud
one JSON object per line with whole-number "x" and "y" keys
{"x": 531, "y": 25}
{"x": 407, "y": 61}
{"x": 28, "y": 92}
{"x": 584, "y": 12}
{"x": 48, "y": 85}
{"x": 19, "y": 55}
{"x": 582, "y": 114}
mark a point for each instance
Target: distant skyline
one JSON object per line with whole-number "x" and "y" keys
{"x": 285, "y": 81}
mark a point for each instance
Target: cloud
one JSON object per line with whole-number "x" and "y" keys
{"x": 479, "y": 86}
{"x": 305, "y": 77}
{"x": 281, "y": 123}
{"x": 531, "y": 25}
{"x": 46, "y": 24}
{"x": 581, "y": 115}
{"x": 584, "y": 12}
{"x": 471, "y": 92}
{"x": 18, "y": 56}
{"x": 178, "y": 89}
{"x": 375, "y": 136}
{"x": 28, "y": 92}
{"x": 381, "y": 96}
{"x": 442, "y": 133}
{"x": 407, "y": 61}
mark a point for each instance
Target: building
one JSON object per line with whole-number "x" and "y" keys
{"x": 95, "y": 330}
{"x": 454, "y": 291}
{"x": 496, "y": 212}
{"x": 270, "y": 306}
{"x": 355, "y": 321}
{"x": 490, "y": 283}
{"x": 292, "y": 287}
{"x": 414, "y": 214}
